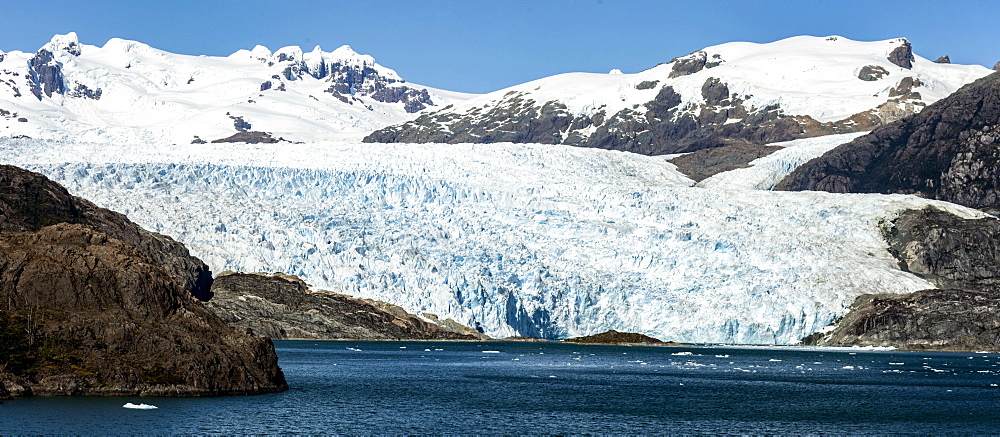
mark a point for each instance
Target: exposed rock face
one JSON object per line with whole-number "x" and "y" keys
{"x": 902, "y": 55}
{"x": 82, "y": 90}
{"x": 249, "y": 137}
{"x": 927, "y": 319}
{"x": 46, "y": 75}
{"x": 706, "y": 163}
{"x": 949, "y": 151}
{"x": 282, "y": 306}
{"x": 960, "y": 256}
{"x": 647, "y": 84}
{"x": 613, "y": 337}
{"x": 91, "y": 315}
{"x": 87, "y": 313}
{"x": 996, "y": 67}
{"x": 904, "y": 88}
{"x": 30, "y": 201}
{"x": 872, "y": 73}
{"x": 946, "y": 250}
{"x": 665, "y": 127}
{"x": 349, "y": 78}
{"x": 692, "y": 63}
{"x": 943, "y": 60}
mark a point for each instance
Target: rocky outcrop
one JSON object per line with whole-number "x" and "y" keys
{"x": 703, "y": 164}
{"x": 904, "y": 89}
{"x": 959, "y": 255}
{"x": 902, "y": 55}
{"x": 949, "y": 151}
{"x": 613, "y": 337}
{"x": 872, "y": 73}
{"x": 348, "y": 75}
{"x": 30, "y": 201}
{"x": 249, "y": 137}
{"x": 996, "y": 67}
{"x": 943, "y": 60}
{"x": 282, "y": 306}
{"x": 664, "y": 127}
{"x": 87, "y": 313}
{"x": 46, "y": 75}
{"x": 946, "y": 250}
{"x": 957, "y": 320}
{"x": 692, "y": 63}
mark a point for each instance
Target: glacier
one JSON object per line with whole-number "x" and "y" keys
{"x": 513, "y": 239}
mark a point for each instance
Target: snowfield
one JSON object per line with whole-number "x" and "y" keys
{"x": 534, "y": 240}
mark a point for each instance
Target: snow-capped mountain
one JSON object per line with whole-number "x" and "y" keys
{"x": 797, "y": 87}
{"x": 127, "y": 90}
{"x": 538, "y": 240}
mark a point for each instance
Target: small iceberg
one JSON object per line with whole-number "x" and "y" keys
{"x": 491, "y": 352}
{"x": 139, "y": 406}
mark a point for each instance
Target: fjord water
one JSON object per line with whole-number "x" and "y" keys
{"x": 545, "y": 388}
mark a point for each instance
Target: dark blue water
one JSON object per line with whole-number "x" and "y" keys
{"x": 531, "y": 388}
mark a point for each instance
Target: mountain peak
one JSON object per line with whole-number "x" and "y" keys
{"x": 69, "y": 43}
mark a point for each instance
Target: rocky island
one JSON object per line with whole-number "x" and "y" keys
{"x": 92, "y": 304}
{"x": 616, "y": 338}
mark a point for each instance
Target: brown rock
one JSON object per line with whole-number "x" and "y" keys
{"x": 957, "y": 320}
{"x": 872, "y": 73}
{"x": 283, "y": 306}
{"x": 705, "y": 163}
{"x": 613, "y": 337}
{"x": 30, "y": 201}
{"x": 91, "y": 315}
{"x": 902, "y": 55}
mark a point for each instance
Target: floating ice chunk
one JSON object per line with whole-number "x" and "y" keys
{"x": 491, "y": 352}
{"x": 682, "y": 353}
{"x": 139, "y": 406}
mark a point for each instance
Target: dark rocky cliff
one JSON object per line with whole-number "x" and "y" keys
{"x": 948, "y": 151}
{"x": 282, "y": 306}
{"x": 30, "y": 201}
{"x": 90, "y": 304}
{"x": 963, "y": 258}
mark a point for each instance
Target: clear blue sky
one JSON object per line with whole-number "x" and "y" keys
{"x": 481, "y": 46}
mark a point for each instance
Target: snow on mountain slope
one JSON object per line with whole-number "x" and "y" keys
{"x": 797, "y": 87}
{"x": 764, "y": 173}
{"x": 129, "y": 91}
{"x": 548, "y": 241}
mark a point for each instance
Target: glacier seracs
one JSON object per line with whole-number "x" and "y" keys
{"x": 514, "y": 239}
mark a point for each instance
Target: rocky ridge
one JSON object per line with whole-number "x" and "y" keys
{"x": 283, "y": 306}
{"x": 949, "y": 151}
{"x": 93, "y": 305}
{"x": 699, "y": 101}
